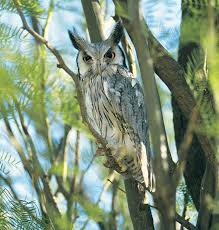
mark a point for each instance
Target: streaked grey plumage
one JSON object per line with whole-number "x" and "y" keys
{"x": 115, "y": 104}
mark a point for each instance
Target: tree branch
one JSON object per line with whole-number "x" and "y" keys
{"x": 165, "y": 188}
{"x": 139, "y": 217}
{"x": 61, "y": 64}
{"x": 185, "y": 223}
{"x": 180, "y": 220}
{"x": 184, "y": 146}
{"x": 48, "y": 18}
{"x": 172, "y": 74}
{"x": 94, "y": 19}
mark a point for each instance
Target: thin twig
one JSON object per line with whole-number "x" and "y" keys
{"x": 48, "y": 18}
{"x": 130, "y": 56}
{"x": 104, "y": 188}
{"x": 37, "y": 166}
{"x": 26, "y": 163}
{"x": 76, "y": 162}
{"x": 184, "y": 146}
{"x": 118, "y": 187}
{"x": 184, "y": 222}
{"x": 180, "y": 220}
{"x": 61, "y": 64}
{"x": 85, "y": 171}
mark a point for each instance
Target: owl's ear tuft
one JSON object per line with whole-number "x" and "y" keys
{"x": 117, "y": 33}
{"x": 78, "y": 42}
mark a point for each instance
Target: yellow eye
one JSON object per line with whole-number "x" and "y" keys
{"x": 110, "y": 54}
{"x": 87, "y": 58}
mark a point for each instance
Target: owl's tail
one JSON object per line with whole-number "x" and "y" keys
{"x": 147, "y": 170}
{"x": 140, "y": 168}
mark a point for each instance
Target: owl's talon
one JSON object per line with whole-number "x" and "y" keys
{"x": 107, "y": 110}
{"x": 141, "y": 188}
{"x": 123, "y": 167}
{"x": 108, "y": 164}
{"x": 100, "y": 152}
{"x": 109, "y": 146}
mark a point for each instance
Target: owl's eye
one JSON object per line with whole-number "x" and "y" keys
{"x": 110, "y": 54}
{"x": 87, "y": 58}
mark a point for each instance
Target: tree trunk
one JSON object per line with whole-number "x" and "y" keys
{"x": 140, "y": 214}
{"x": 199, "y": 174}
{"x": 141, "y": 218}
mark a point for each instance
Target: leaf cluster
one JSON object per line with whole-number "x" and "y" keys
{"x": 20, "y": 214}
{"x": 29, "y": 7}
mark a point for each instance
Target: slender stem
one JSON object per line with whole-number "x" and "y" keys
{"x": 165, "y": 197}
{"x": 184, "y": 146}
{"x": 94, "y": 19}
{"x": 144, "y": 219}
{"x": 48, "y": 19}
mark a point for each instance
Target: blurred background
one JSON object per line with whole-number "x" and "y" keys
{"x": 41, "y": 132}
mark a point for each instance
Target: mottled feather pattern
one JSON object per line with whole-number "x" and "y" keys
{"x": 115, "y": 106}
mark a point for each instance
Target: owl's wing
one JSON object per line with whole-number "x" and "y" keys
{"x": 127, "y": 98}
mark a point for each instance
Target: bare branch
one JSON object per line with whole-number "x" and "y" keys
{"x": 184, "y": 146}
{"x": 118, "y": 187}
{"x": 130, "y": 56}
{"x": 76, "y": 162}
{"x": 134, "y": 198}
{"x": 165, "y": 197}
{"x": 61, "y": 63}
{"x": 184, "y": 222}
{"x": 93, "y": 16}
{"x": 180, "y": 220}
{"x": 172, "y": 74}
{"x": 48, "y": 19}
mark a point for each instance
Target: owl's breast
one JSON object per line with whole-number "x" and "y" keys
{"x": 100, "y": 110}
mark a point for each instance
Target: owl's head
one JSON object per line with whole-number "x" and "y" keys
{"x": 94, "y": 58}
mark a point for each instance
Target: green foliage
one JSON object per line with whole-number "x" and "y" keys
{"x": 92, "y": 210}
{"x": 29, "y": 7}
{"x": 34, "y": 92}
{"x": 34, "y": 96}
{"x": 7, "y": 32}
{"x": 7, "y": 161}
{"x": 197, "y": 6}
{"x": 19, "y": 214}
{"x": 121, "y": 9}
{"x": 17, "y": 86}
{"x": 63, "y": 99}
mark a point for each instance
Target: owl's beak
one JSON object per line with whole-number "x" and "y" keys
{"x": 99, "y": 68}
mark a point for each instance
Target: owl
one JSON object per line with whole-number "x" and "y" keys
{"x": 115, "y": 104}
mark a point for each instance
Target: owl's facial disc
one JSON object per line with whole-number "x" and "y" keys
{"x": 96, "y": 58}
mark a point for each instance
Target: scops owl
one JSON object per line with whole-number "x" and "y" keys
{"x": 115, "y": 104}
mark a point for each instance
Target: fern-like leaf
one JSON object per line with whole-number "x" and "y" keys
{"x": 20, "y": 214}
{"x": 29, "y": 7}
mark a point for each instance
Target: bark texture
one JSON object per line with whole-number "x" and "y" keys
{"x": 141, "y": 218}
{"x": 199, "y": 172}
